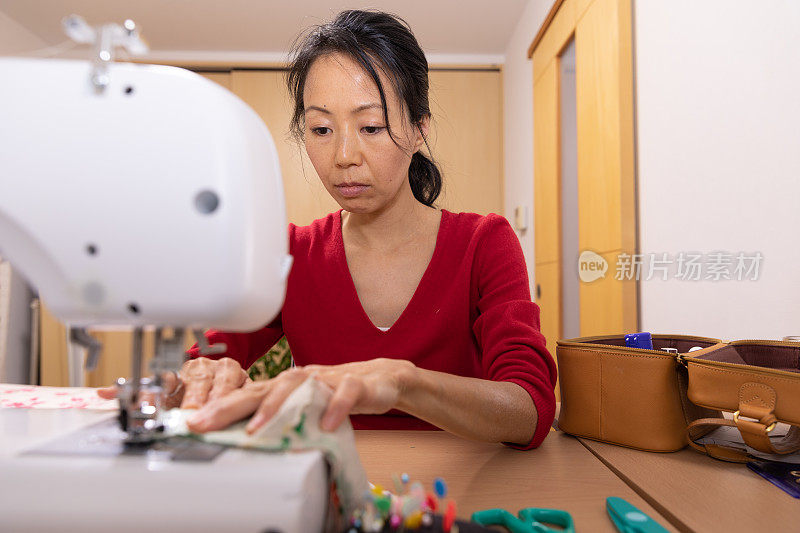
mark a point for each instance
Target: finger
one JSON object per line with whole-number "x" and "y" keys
{"x": 347, "y": 394}
{"x": 229, "y": 376}
{"x": 107, "y": 393}
{"x": 272, "y": 402}
{"x": 223, "y": 412}
{"x": 170, "y": 382}
{"x": 173, "y": 389}
{"x": 198, "y": 378}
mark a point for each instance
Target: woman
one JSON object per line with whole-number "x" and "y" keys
{"x": 402, "y": 308}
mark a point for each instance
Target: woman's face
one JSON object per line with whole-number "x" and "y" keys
{"x": 346, "y": 136}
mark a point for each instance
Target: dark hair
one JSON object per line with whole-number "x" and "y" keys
{"x": 371, "y": 37}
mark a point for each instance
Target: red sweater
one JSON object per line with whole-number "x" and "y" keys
{"x": 471, "y": 314}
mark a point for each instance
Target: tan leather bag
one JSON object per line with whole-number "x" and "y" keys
{"x": 627, "y": 396}
{"x": 756, "y": 380}
{"x": 641, "y": 398}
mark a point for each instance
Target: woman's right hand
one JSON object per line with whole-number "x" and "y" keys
{"x": 199, "y": 381}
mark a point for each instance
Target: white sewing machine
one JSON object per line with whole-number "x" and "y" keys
{"x": 139, "y": 195}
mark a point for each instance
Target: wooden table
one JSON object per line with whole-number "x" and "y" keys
{"x": 561, "y": 474}
{"x": 684, "y": 491}
{"x": 698, "y": 493}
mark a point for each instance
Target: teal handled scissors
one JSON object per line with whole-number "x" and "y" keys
{"x": 529, "y": 520}
{"x": 629, "y": 519}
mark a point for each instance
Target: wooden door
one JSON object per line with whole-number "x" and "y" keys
{"x": 606, "y": 181}
{"x": 548, "y": 297}
{"x": 547, "y": 223}
{"x": 605, "y": 152}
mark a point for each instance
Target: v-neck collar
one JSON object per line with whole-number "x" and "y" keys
{"x": 420, "y": 286}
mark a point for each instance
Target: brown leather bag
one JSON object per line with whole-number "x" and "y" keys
{"x": 641, "y": 398}
{"x": 759, "y": 382}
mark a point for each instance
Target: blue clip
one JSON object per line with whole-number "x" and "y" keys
{"x": 629, "y": 519}
{"x": 641, "y": 340}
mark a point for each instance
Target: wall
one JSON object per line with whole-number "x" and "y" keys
{"x": 518, "y": 122}
{"x": 717, "y": 85}
{"x": 15, "y": 39}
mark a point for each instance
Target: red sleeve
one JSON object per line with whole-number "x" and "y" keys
{"x": 507, "y": 327}
{"x": 245, "y": 348}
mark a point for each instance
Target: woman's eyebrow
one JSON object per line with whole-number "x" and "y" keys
{"x": 358, "y": 109}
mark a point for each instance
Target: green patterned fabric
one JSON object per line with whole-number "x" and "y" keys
{"x": 272, "y": 363}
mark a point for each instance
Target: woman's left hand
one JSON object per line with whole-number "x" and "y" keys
{"x": 366, "y": 387}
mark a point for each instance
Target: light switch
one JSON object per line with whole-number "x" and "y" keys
{"x": 521, "y": 217}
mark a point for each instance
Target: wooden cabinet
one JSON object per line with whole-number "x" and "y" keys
{"x": 467, "y": 138}
{"x": 265, "y": 91}
{"x": 53, "y": 360}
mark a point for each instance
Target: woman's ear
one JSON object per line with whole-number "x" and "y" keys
{"x": 421, "y": 133}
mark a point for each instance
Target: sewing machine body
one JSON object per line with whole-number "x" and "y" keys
{"x": 159, "y": 206}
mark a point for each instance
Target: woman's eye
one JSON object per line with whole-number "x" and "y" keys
{"x": 320, "y": 131}
{"x": 371, "y": 130}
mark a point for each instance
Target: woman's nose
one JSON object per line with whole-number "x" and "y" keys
{"x": 348, "y": 149}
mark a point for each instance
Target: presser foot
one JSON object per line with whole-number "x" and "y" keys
{"x": 142, "y": 400}
{"x": 139, "y": 410}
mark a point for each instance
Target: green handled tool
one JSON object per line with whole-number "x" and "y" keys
{"x": 528, "y": 520}
{"x": 629, "y": 519}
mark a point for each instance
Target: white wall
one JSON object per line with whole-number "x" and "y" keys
{"x": 518, "y": 122}
{"x": 718, "y": 120}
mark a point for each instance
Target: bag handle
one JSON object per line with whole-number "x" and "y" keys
{"x": 702, "y": 426}
{"x": 754, "y": 419}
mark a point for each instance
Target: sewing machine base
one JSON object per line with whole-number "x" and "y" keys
{"x": 68, "y": 470}
{"x": 106, "y": 439}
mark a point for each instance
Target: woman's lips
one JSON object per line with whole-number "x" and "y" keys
{"x": 351, "y": 190}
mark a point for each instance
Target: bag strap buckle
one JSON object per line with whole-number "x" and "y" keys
{"x": 767, "y": 429}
